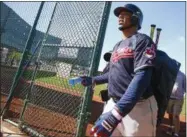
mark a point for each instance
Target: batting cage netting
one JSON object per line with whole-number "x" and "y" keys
{"x": 43, "y": 45}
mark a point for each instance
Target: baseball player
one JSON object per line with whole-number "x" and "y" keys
{"x": 175, "y": 104}
{"x": 132, "y": 108}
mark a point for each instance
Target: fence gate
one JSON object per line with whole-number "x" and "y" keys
{"x": 66, "y": 42}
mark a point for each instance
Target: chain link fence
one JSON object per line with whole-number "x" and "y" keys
{"x": 65, "y": 43}
{"x": 15, "y": 28}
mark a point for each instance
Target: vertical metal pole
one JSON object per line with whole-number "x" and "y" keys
{"x": 25, "y": 101}
{"x": 24, "y": 56}
{"x": 35, "y": 70}
{"x": 85, "y": 110}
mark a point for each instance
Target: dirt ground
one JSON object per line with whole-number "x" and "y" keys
{"x": 50, "y": 121}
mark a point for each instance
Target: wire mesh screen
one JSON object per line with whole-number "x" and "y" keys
{"x": 24, "y": 13}
{"x": 14, "y": 33}
{"x": 53, "y": 107}
{"x": 16, "y": 23}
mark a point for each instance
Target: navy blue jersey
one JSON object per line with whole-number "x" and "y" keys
{"x": 106, "y": 69}
{"x": 128, "y": 56}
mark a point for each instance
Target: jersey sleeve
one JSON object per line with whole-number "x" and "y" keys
{"x": 144, "y": 54}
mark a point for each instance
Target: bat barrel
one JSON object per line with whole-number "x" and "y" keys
{"x": 153, "y": 26}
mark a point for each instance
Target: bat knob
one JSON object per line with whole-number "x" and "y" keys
{"x": 153, "y": 25}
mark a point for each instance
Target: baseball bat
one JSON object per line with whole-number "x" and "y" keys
{"x": 153, "y": 26}
{"x": 157, "y": 36}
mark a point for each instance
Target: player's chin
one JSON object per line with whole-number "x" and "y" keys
{"x": 121, "y": 27}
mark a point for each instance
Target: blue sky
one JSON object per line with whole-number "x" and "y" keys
{"x": 170, "y": 16}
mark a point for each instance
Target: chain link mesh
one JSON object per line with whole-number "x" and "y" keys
{"x": 15, "y": 27}
{"x": 63, "y": 47}
{"x": 74, "y": 28}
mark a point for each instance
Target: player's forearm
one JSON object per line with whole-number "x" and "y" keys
{"x": 137, "y": 87}
{"x": 101, "y": 79}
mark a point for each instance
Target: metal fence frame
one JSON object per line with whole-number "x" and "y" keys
{"x": 85, "y": 110}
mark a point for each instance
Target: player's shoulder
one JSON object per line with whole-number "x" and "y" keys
{"x": 117, "y": 44}
{"x": 142, "y": 37}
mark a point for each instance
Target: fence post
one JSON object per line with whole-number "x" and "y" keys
{"x": 86, "y": 106}
{"x": 36, "y": 67}
{"x": 24, "y": 56}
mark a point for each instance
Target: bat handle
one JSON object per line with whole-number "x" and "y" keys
{"x": 158, "y": 36}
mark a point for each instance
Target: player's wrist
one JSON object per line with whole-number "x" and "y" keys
{"x": 111, "y": 121}
{"x": 116, "y": 113}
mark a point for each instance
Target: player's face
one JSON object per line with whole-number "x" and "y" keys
{"x": 124, "y": 18}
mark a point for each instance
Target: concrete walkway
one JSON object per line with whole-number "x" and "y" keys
{"x": 9, "y": 130}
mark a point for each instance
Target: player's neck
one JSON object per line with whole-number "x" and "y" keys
{"x": 129, "y": 32}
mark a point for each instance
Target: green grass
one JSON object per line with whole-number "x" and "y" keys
{"x": 98, "y": 88}
{"x": 184, "y": 107}
{"x": 60, "y": 82}
{"x": 53, "y": 80}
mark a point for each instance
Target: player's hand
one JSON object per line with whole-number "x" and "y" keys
{"x": 87, "y": 81}
{"x": 106, "y": 124}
